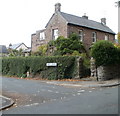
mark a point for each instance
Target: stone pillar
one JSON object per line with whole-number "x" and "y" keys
{"x": 93, "y": 68}
{"x": 79, "y": 68}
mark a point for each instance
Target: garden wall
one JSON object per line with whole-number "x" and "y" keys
{"x": 103, "y": 73}
{"x": 108, "y": 72}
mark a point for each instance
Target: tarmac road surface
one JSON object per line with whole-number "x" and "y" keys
{"x": 36, "y": 97}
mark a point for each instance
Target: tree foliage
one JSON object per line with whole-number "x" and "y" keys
{"x": 118, "y": 37}
{"x": 69, "y": 45}
{"x": 105, "y": 53}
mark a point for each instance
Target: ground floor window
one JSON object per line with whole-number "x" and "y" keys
{"x": 106, "y": 37}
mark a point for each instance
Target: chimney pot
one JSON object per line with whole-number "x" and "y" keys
{"x": 57, "y": 7}
{"x": 103, "y": 21}
{"x": 84, "y": 16}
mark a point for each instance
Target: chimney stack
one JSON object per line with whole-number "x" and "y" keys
{"x": 57, "y": 7}
{"x": 84, "y": 16}
{"x": 103, "y": 21}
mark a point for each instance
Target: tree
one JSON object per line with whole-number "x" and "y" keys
{"x": 69, "y": 45}
{"x": 118, "y": 37}
{"x": 15, "y": 53}
{"x": 105, "y": 53}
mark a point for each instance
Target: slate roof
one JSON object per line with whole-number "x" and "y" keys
{"x": 15, "y": 46}
{"x": 79, "y": 21}
{"x": 3, "y": 49}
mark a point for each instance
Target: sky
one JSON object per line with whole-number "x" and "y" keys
{"x": 21, "y": 18}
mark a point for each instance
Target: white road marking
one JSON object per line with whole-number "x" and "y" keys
{"x": 81, "y": 91}
{"x": 34, "y": 104}
{"x": 78, "y": 93}
{"x": 50, "y": 91}
{"x": 56, "y": 92}
{"x": 90, "y": 91}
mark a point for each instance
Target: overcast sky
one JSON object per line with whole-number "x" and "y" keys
{"x": 21, "y": 18}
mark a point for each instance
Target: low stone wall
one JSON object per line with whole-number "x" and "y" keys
{"x": 108, "y": 72}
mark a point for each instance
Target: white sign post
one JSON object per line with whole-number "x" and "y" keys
{"x": 51, "y": 64}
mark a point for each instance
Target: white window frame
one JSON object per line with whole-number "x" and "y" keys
{"x": 42, "y": 36}
{"x": 94, "y": 37}
{"x": 81, "y": 35}
{"x": 55, "y": 34}
{"x": 106, "y": 37}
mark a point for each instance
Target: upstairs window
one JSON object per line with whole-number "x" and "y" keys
{"x": 94, "y": 37}
{"x": 42, "y": 35}
{"x": 55, "y": 34}
{"x": 106, "y": 37}
{"x": 81, "y": 35}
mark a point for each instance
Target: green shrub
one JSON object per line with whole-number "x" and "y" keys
{"x": 67, "y": 46}
{"x": 105, "y": 53}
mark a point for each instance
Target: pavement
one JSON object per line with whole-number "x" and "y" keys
{"x": 86, "y": 83}
{"x": 7, "y": 102}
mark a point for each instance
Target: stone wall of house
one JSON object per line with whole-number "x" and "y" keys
{"x": 87, "y": 37}
{"x": 108, "y": 72}
{"x": 56, "y": 22}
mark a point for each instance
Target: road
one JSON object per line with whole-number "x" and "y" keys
{"x": 37, "y": 97}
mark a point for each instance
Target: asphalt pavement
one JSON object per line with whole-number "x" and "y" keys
{"x": 7, "y": 102}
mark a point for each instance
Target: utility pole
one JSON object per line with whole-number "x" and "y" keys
{"x": 118, "y": 5}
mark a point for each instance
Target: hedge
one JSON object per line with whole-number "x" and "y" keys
{"x": 105, "y": 53}
{"x": 19, "y": 66}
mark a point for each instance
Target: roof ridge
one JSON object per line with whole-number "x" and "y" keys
{"x": 84, "y": 18}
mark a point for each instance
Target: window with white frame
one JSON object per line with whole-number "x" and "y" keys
{"x": 55, "y": 34}
{"x": 81, "y": 35}
{"x": 94, "y": 37}
{"x": 42, "y": 35}
{"x": 106, "y": 37}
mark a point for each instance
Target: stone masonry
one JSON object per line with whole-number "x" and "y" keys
{"x": 108, "y": 72}
{"x": 103, "y": 73}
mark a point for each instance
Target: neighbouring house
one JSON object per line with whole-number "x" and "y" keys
{"x": 3, "y": 51}
{"x": 64, "y": 24}
{"x": 21, "y": 46}
{"x": 18, "y": 46}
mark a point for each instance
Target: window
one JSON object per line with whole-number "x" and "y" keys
{"x": 94, "y": 37}
{"x": 81, "y": 35}
{"x": 42, "y": 35}
{"x": 106, "y": 37}
{"x": 55, "y": 34}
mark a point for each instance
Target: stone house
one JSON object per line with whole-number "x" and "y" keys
{"x": 63, "y": 24}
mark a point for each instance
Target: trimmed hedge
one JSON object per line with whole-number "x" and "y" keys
{"x": 19, "y": 66}
{"x": 105, "y": 53}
